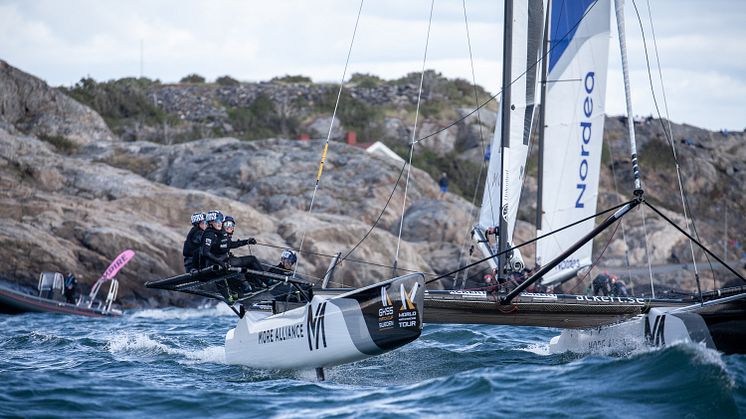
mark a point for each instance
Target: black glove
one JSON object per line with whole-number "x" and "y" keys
{"x": 252, "y": 241}
{"x": 223, "y": 262}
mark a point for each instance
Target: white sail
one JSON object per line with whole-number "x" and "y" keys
{"x": 528, "y": 24}
{"x": 576, "y": 94}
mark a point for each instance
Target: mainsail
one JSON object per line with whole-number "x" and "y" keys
{"x": 576, "y": 92}
{"x": 507, "y": 164}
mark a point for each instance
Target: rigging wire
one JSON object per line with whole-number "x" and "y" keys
{"x": 624, "y": 230}
{"x": 351, "y": 260}
{"x": 331, "y": 125}
{"x": 414, "y": 135}
{"x": 666, "y": 134}
{"x": 464, "y": 117}
{"x": 595, "y": 263}
{"x": 647, "y": 252}
{"x": 670, "y": 136}
{"x": 526, "y": 243}
{"x": 481, "y": 144}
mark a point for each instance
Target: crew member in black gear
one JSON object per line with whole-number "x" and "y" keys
{"x": 193, "y": 241}
{"x": 213, "y": 249}
{"x": 288, "y": 292}
{"x": 602, "y": 284}
{"x": 250, "y": 262}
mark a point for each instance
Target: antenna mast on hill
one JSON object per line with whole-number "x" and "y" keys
{"x": 141, "y": 55}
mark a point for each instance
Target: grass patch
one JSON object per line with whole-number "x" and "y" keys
{"x": 462, "y": 174}
{"x": 656, "y": 155}
{"x": 134, "y": 163}
{"x": 60, "y": 143}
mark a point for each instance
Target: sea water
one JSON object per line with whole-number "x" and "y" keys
{"x": 170, "y": 363}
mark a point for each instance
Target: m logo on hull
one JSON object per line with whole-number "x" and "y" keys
{"x": 315, "y": 327}
{"x": 656, "y": 337}
{"x": 407, "y": 298}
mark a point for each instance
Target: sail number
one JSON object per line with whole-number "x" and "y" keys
{"x": 568, "y": 264}
{"x": 585, "y": 135}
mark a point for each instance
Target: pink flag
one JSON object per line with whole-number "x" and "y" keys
{"x": 117, "y": 264}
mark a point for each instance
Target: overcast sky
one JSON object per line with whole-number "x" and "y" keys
{"x": 702, "y": 45}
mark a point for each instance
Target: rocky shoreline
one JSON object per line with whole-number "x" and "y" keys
{"x": 74, "y": 194}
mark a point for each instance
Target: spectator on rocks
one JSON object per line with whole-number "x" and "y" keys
{"x": 190, "y": 250}
{"x": 443, "y": 183}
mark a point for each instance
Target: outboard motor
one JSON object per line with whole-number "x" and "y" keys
{"x": 51, "y": 285}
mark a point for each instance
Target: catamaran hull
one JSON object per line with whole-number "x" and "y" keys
{"x": 331, "y": 331}
{"x": 535, "y": 309}
{"x": 720, "y": 326}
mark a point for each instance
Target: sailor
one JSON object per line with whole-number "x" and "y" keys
{"x": 288, "y": 258}
{"x": 229, "y": 226}
{"x": 288, "y": 292}
{"x": 251, "y": 262}
{"x": 213, "y": 249}
{"x": 602, "y": 284}
{"x": 71, "y": 288}
{"x": 190, "y": 250}
{"x": 618, "y": 287}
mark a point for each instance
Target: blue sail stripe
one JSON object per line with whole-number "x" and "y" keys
{"x": 565, "y": 17}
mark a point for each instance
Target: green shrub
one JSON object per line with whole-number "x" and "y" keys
{"x": 193, "y": 79}
{"x": 367, "y": 81}
{"x": 120, "y": 101}
{"x": 353, "y": 113}
{"x": 227, "y": 81}
{"x": 292, "y": 79}
{"x": 261, "y": 120}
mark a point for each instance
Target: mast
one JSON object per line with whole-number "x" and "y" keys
{"x": 505, "y": 131}
{"x": 542, "y": 114}
{"x": 638, "y": 191}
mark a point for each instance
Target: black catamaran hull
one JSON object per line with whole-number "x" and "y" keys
{"x": 17, "y": 302}
{"x": 529, "y": 309}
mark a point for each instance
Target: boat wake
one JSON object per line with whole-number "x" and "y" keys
{"x": 140, "y": 344}
{"x": 184, "y": 313}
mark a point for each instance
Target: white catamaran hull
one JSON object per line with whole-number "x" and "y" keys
{"x": 718, "y": 324}
{"x": 331, "y": 331}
